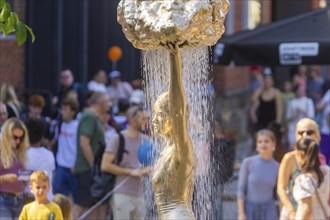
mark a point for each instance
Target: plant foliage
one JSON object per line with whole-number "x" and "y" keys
{"x": 9, "y": 23}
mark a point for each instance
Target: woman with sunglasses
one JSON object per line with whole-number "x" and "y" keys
{"x": 13, "y": 146}
{"x": 290, "y": 168}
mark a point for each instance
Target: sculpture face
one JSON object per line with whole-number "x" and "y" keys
{"x": 164, "y": 23}
{"x": 160, "y": 119}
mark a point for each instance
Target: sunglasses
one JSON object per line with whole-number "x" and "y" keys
{"x": 19, "y": 138}
{"x": 308, "y": 132}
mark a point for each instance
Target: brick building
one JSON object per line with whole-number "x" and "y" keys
{"x": 72, "y": 33}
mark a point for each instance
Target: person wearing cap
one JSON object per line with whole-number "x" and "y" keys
{"x": 118, "y": 89}
{"x": 255, "y": 78}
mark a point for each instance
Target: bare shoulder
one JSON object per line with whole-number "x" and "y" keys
{"x": 288, "y": 158}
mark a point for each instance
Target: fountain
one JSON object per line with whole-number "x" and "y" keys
{"x": 167, "y": 30}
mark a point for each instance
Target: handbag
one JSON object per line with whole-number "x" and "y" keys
{"x": 102, "y": 182}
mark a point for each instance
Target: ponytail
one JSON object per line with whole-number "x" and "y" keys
{"x": 311, "y": 159}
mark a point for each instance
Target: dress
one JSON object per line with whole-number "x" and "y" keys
{"x": 304, "y": 187}
{"x": 266, "y": 112}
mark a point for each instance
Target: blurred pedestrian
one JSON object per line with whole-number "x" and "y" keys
{"x": 257, "y": 181}
{"x": 255, "y": 78}
{"x": 67, "y": 86}
{"x": 90, "y": 137}
{"x": 107, "y": 128}
{"x": 298, "y": 108}
{"x": 9, "y": 98}
{"x": 267, "y": 104}
{"x": 129, "y": 171}
{"x": 286, "y": 95}
{"x": 300, "y": 77}
{"x": 290, "y": 169}
{"x": 66, "y": 153}
{"x": 323, "y": 106}
{"x": 118, "y": 89}
{"x": 120, "y": 119}
{"x": 38, "y": 156}
{"x": 99, "y": 82}
{"x": 36, "y": 105}
{"x": 314, "y": 84}
{"x": 14, "y": 142}
{"x": 222, "y": 158}
{"x": 311, "y": 188}
{"x": 3, "y": 114}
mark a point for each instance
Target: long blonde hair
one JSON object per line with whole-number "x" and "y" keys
{"x": 8, "y": 94}
{"x": 7, "y": 153}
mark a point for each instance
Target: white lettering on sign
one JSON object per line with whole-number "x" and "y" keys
{"x": 291, "y": 53}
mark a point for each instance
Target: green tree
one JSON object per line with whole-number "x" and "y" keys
{"x": 9, "y": 23}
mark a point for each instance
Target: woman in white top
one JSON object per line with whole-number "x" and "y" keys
{"x": 298, "y": 108}
{"x": 311, "y": 187}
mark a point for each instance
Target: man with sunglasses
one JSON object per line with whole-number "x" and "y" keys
{"x": 3, "y": 114}
{"x": 289, "y": 168}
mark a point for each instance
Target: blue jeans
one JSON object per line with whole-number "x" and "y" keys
{"x": 10, "y": 206}
{"x": 64, "y": 181}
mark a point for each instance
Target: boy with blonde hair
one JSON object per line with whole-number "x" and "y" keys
{"x": 41, "y": 208}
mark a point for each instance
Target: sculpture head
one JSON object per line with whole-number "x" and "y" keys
{"x": 160, "y": 121}
{"x": 166, "y": 24}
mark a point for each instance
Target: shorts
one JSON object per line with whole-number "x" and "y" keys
{"x": 83, "y": 195}
{"x": 64, "y": 181}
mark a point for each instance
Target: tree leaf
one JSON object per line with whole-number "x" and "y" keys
{"x": 9, "y": 26}
{"x": 2, "y": 3}
{"x": 21, "y": 33}
{"x": 5, "y": 12}
{"x": 31, "y": 33}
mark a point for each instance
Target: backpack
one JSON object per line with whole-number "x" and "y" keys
{"x": 102, "y": 182}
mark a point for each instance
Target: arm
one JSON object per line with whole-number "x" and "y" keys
{"x": 8, "y": 178}
{"x": 255, "y": 106}
{"x": 177, "y": 102}
{"x": 108, "y": 166}
{"x": 283, "y": 180}
{"x": 279, "y": 107}
{"x": 241, "y": 210}
{"x": 241, "y": 191}
{"x": 87, "y": 149}
{"x": 306, "y": 208}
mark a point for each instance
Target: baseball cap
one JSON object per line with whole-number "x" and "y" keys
{"x": 114, "y": 74}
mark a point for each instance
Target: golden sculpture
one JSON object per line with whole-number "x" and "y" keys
{"x": 173, "y": 24}
{"x": 174, "y": 170}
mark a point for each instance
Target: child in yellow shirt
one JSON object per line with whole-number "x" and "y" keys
{"x": 41, "y": 208}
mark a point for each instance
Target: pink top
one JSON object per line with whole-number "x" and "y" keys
{"x": 16, "y": 187}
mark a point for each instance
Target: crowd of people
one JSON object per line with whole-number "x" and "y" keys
{"x": 46, "y": 160}
{"x": 289, "y": 177}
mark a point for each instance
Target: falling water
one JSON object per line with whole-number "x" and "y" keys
{"x": 197, "y": 86}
